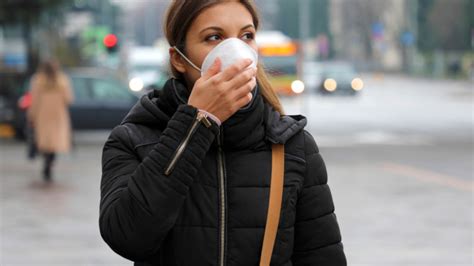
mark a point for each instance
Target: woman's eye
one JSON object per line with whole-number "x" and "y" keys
{"x": 214, "y": 37}
{"x": 248, "y": 36}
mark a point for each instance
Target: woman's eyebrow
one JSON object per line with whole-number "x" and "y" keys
{"x": 248, "y": 26}
{"x": 220, "y": 29}
{"x": 212, "y": 28}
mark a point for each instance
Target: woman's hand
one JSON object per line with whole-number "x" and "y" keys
{"x": 224, "y": 93}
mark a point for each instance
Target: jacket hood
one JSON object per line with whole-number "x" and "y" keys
{"x": 280, "y": 128}
{"x": 146, "y": 111}
{"x": 256, "y": 122}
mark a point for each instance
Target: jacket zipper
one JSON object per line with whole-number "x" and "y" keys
{"x": 222, "y": 200}
{"x": 182, "y": 146}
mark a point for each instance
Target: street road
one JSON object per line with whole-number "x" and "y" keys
{"x": 400, "y": 165}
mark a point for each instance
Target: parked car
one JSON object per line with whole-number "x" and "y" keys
{"x": 101, "y": 100}
{"x": 7, "y": 114}
{"x": 9, "y": 82}
{"x": 332, "y": 78}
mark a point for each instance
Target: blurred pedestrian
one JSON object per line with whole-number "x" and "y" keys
{"x": 48, "y": 114}
{"x": 186, "y": 176}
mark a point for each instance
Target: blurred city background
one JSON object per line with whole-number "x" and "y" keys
{"x": 386, "y": 85}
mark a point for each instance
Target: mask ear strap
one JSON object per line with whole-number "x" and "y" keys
{"x": 185, "y": 58}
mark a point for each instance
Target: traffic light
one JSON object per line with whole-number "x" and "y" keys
{"x": 111, "y": 43}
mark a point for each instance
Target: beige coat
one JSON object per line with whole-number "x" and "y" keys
{"x": 49, "y": 113}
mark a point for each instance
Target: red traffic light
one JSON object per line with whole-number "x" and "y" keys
{"x": 110, "y": 40}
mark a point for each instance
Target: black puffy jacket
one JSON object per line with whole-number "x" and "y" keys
{"x": 177, "y": 192}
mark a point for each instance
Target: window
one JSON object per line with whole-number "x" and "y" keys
{"x": 109, "y": 90}
{"x": 80, "y": 89}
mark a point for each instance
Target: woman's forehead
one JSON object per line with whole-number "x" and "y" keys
{"x": 226, "y": 15}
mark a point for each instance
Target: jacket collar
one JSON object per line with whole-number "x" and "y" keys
{"x": 248, "y": 128}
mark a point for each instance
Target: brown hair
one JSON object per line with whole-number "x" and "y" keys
{"x": 178, "y": 19}
{"x": 50, "y": 71}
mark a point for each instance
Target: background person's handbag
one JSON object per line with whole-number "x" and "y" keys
{"x": 274, "y": 205}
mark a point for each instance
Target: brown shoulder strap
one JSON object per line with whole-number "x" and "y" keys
{"x": 274, "y": 205}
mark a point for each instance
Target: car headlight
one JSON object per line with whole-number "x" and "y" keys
{"x": 357, "y": 84}
{"x": 297, "y": 86}
{"x": 330, "y": 85}
{"x": 136, "y": 84}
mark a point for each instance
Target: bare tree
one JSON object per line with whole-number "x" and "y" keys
{"x": 449, "y": 23}
{"x": 357, "y": 18}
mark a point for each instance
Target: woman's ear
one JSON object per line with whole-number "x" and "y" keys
{"x": 176, "y": 60}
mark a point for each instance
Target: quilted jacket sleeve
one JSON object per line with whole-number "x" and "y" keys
{"x": 139, "y": 203}
{"x": 317, "y": 234}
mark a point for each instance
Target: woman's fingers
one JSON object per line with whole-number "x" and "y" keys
{"x": 222, "y": 93}
{"x": 230, "y": 72}
{"x": 242, "y": 78}
{"x": 213, "y": 69}
{"x": 243, "y": 101}
{"x": 244, "y": 90}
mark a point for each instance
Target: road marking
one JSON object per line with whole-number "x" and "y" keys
{"x": 429, "y": 176}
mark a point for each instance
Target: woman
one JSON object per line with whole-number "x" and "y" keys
{"x": 49, "y": 113}
{"x": 185, "y": 177}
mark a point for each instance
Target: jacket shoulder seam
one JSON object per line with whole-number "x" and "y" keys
{"x": 295, "y": 157}
{"x": 145, "y": 144}
{"x": 129, "y": 139}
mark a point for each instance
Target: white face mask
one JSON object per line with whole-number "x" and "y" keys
{"x": 229, "y": 51}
